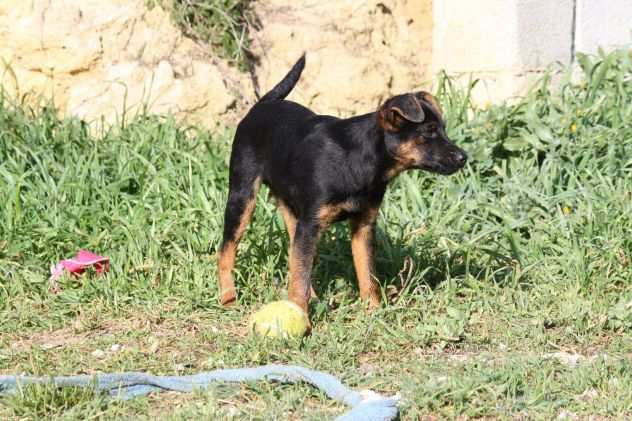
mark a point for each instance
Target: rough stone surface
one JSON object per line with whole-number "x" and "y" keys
{"x": 114, "y": 57}
{"x": 359, "y": 52}
{"x": 106, "y": 58}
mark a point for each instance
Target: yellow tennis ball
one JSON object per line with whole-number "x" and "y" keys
{"x": 280, "y": 319}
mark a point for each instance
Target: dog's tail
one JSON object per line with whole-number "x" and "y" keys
{"x": 283, "y": 88}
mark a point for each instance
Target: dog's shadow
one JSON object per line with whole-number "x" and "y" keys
{"x": 403, "y": 263}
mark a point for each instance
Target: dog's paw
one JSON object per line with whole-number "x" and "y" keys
{"x": 228, "y": 298}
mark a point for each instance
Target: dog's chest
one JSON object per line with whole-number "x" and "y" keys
{"x": 334, "y": 212}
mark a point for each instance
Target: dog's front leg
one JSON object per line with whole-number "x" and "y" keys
{"x": 362, "y": 238}
{"x": 302, "y": 254}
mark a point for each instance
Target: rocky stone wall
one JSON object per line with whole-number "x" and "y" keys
{"x": 107, "y": 58}
{"x": 359, "y": 52}
{"x": 101, "y": 59}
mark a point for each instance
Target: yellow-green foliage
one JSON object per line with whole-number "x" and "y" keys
{"x": 493, "y": 279}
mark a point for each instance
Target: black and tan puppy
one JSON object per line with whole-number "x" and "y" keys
{"x": 322, "y": 169}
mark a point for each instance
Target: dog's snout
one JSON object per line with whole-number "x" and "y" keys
{"x": 460, "y": 157}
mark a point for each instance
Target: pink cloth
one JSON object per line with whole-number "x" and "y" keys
{"x": 79, "y": 263}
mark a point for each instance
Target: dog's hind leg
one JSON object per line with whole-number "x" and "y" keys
{"x": 244, "y": 184}
{"x": 301, "y": 262}
{"x": 290, "y": 225}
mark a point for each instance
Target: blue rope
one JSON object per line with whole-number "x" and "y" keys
{"x": 367, "y": 406}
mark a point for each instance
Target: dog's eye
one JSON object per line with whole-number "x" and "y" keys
{"x": 420, "y": 140}
{"x": 430, "y": 130}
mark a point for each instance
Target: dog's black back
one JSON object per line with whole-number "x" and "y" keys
{"x": 308, "y": 160}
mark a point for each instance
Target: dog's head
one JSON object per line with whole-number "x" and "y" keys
{"x": 415, "y": 136}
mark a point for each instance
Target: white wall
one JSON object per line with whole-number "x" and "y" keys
{"x": 509, "y": 43}
{"x": 603, "y": 23}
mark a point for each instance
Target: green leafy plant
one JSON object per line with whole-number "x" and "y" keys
{"x": 47, "y": 401}
{"x": 524, "y": 253}
{"x": 223, "y": 24}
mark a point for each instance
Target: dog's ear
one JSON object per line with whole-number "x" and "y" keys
{"x": 400, "y": 109}
{"x": 408, "y": 108}
{"x": 430, "y": 99}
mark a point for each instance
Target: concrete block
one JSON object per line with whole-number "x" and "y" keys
{"x": 474, "y": 35}
{"x": 545, "y": 32}
{"x": 605, "y": 23}
{"x": 505, "y": 43}
{"x": 498, "y": 35}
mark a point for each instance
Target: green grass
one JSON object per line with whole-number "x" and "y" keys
{"x": 45, "y": 401}
{"x": 507, "y": 286}
{"x": 223, "y": 24}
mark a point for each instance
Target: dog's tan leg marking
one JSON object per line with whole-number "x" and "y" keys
{"x": 226, "y": 262}
{"x": 290, "y": 224}
{"x": 298, "y": 288}
{"x": 301, "y": 262}
{"x": 228, "y": 253}
{"x": 362, "y": 237}
{"x": 328, "y": 214}
{"x": 289, "y": 219}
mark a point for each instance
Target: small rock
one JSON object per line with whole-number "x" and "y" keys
{"x": 47, "y": 346}
{"x": 572, "y": 360}
{"x": 589, "y": 394}
{"x": 77, "y": 325}
{"x": 116, "y": 348}
{"x": 459, "y": 357}
{"x": 154, "y": 345}
{"x": 566, "y": 415}
{"x": 98, "y": 353}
